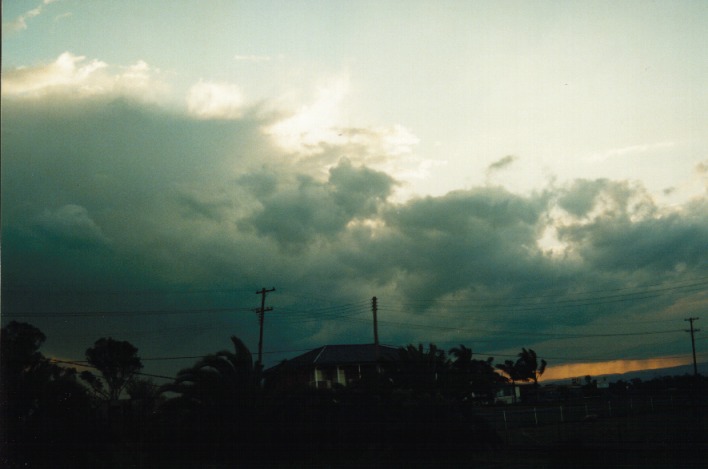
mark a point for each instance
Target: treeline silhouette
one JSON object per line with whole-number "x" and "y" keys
{"x": 223, "y": 410}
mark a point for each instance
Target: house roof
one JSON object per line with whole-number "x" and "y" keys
{"x": 344, "y": 354}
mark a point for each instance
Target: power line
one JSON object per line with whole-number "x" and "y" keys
{"x": 185, "y": 291}
{"x": 501, "y": 331}
{"x": 569, "y": 303}
{"x": 86, "y": 365}
{"x": 699, "y": 281}
{"x": 62, "y": 314}
{"x": 466, "y": 305}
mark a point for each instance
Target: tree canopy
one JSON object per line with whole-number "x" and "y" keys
{"x": 117, "y": 361}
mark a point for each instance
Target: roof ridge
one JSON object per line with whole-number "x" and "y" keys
{"x": 318, "y": 355}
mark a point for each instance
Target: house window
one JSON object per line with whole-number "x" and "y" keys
{"x": 341, "y": 377}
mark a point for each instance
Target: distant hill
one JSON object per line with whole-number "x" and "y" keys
{"x": 644, "y": 375}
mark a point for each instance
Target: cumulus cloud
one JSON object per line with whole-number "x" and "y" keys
{"x": 315, "y": 123}
{"x": 652, "y": 245}
{"x": 302, "y": 214}
{"x": 73, "y": 75}
{"x": 317, "y": 129}
{"x": 66, "y": 70}
{"x": 601, "y": 197}
{"x": 207, "y": 100}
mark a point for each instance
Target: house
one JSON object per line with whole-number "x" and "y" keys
{"x": 332, "y": 365}
{"x": 508, "y": 394}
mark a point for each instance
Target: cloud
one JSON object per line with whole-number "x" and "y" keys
{"x": 652, "y": 245}
{"x": 112, "y": 194}
{"x": 302, "y": 214}
{"x": 71, "y": 224}
{"x": 72, "y": 75}
{"x": 480, "y": 237}
{"x": 314, "y": 124}
{"x": 20, "y": 23}
{"x": 314, "y": 137}
{"x": 629, "y": 150}
{"x": 602, "y": 197}
{"x": 501, "y": 164}
{"x": 65, "y": 71}
{"x": 207, "y": 100}
{"x": 318, "y": 128}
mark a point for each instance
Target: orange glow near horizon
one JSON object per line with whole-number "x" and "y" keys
{"x": 573, "y": 370}
{"x": 69, "y": 363}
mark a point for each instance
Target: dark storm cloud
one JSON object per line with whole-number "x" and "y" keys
{"x": 618, "y": 197}
{"x": 626, "y": 231}
{"x": 301, "y": 214}
{"x": 464, "y": 238}
{"x": 114, "y": 195}
{"x": 653, "y": 246}
{"x": 580, "y": 199}
{"x": 70, "y": 224}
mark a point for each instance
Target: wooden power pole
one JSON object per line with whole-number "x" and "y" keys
{"x": 261, "y": 313}
{"x": 693, "y": 343}
{"x": 374, "y": 310}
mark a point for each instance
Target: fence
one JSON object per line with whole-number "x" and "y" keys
{"x": 513, "y": 417}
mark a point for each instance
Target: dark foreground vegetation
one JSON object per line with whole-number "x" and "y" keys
{"x": 428, "y": 411}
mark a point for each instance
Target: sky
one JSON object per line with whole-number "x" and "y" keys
{"x": 498, "y": 174}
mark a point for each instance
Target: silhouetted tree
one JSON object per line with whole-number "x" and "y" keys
{"x": 470, "y": 376}
{"x": 19, "y": 360}
{"x": 43, "y": 408}
{"x": 419, "y": 369}
{"x": 215, "y": 400}
{"x": 509, "y": 367}
{"x": 117, "y": 361}
{"x": 223, "y": 375}
{"x": 463, "y": 356}
{"x": 145, "y": 391}
{"x": 528, "y": 366}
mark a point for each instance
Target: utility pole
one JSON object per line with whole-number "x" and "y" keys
{"x": 261, "y": 314}
{"x": 693, "y": 343}
{"x": 374, "y": 310}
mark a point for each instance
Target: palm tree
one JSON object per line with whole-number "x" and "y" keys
{"x": 215, "y": 402}
{"x": 463, "y": 356}
{"x": 217, "y": 377}
{"x": 529, "y": 368}
{"x": 472, "y": 377}
{"x": 510, "y": 368}
{"x": 421, "y": 369}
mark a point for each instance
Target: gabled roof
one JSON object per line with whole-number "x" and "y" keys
{"x": 349, "y": 354}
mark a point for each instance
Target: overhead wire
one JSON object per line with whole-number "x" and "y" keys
{"x": 694, "y": 282}
{"x": 296, "y": 315}
{"x": 467, "y": 305}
